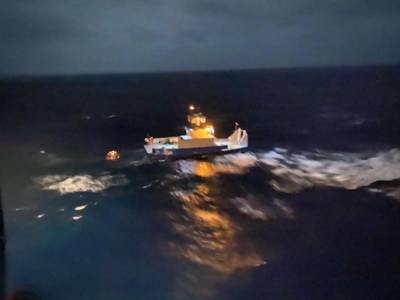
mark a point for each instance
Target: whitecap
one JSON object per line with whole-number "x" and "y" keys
{"x": 346, "y": 170}
{"x": 81, "y": 207}
{"x": 64, "y": 184}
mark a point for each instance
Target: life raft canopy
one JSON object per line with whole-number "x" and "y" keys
{"x": 112, "y": 155}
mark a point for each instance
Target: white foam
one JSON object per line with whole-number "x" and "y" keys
{"x": 246, "y": 208}
{"x": 80, "y": 183}
{"x": 81, "y": 207}
{"x": 394, "y": 193}
{"x": 347, "y": 170}
{"x": 263, "y": 210}
{"x": 296, "y": 171}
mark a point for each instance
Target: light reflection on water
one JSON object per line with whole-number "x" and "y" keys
{"x": 212, "y": 243}
{"x": 290, "y": 173}
{"x": 212, "y": 236}
{"x": 227, "y": 164}
{"x": 217, "y": 244}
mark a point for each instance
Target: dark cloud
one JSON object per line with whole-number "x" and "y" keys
{"x": 30, "y": 28}
{"x": 85, "y": 36}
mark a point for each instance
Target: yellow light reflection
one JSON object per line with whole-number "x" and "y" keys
{"x": 213, "y": 168}
{"x": 212, "y": 238}
{"x": 213, "y": 245}
{"x": 204, "y": 169}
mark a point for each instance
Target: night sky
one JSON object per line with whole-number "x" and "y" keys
{"x": 112, "y": 36}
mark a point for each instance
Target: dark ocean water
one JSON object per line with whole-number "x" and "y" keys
{"x": 311, "y": 211}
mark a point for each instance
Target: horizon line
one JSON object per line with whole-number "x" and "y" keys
{"x": 93, "y": 74}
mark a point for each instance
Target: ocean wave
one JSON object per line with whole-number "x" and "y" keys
{"x": 227, "y": 164}
{"x": 80, "y": 183}
{"x": 293, "y": 172}
{"x": 139, "y": 162}
{"x": 262, "y": 210}
{"x": 211, "y": 237}
{"x": 390, "y": 191}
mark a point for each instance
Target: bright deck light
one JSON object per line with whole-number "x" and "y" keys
{"x": 210, "y": 129}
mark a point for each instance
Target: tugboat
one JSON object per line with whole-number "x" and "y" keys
{"x": 198, "y": 141}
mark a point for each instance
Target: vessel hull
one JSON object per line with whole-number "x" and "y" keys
{"x": 194, "y": 152}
